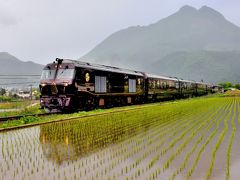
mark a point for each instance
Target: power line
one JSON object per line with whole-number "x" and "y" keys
{"x": 17, "y": 78}
{"x": 19, "y": 75}
{"x": 19, "y": 83}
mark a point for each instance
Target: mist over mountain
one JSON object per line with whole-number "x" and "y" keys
{"x": 211, "y": 66}
{"x": 191, "y": 43}
{"x": 10, "y": 65}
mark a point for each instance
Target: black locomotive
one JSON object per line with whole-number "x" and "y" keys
{"x": 69, "y": 85}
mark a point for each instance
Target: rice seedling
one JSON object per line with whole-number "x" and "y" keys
{"x": 147, "y": 143}
{"x": 217, "y": 145}
{"x": 210, "y": 137}
{"x": 213, "y": 120}
{"x": 230, "y": 143}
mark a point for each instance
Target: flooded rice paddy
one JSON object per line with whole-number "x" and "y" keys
{"x": 195, "y": 139}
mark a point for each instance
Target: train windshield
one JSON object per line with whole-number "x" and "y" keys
{"x": 61, "y": 74}
{"x": 65, "y": 73}
{"x": 48, "y": 74}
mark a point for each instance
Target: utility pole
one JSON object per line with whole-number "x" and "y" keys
{"x": 31, "y": 91}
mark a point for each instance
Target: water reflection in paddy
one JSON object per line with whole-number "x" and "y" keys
{"x": 140, "y": 145}
{"x": 68, "y": 149}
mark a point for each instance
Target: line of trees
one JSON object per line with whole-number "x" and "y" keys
{"x": 228, "y": 85}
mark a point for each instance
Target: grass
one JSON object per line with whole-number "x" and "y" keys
{"x": 7, "y": 99}
{"x": 16, "y": 104}
{"x": 36, "y": 109}
{"x": 22, "y": 108}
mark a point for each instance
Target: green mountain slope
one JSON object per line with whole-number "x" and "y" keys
{"x": 189, "y": 30}
{"x": 209, "y": 66}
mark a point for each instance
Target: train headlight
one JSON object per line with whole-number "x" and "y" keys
{"x": 43, "y": 84}
{"x": 65, "y": 84}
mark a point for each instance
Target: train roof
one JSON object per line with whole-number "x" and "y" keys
{"x": 187, "y": 81}
{"x": 198, "y": 82}
{"x": 160, "y": 77}
{"x": 123, "y": 71}
{"x": 103, "y": 67}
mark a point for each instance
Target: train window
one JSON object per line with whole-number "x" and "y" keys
{"x": 162, "y": 85}
{"x": 177, "y": 85}
{"x": 183, "y": 85}
{"x": 100, "y": 84}
{"x": 158, "y": 84}
{"x": 167, "y": 84}
{"x": 139, "y": 81}
{"x": 132, "y": 85}
{"x": 116, "y": 82}
{"x": 172, "y": 84}
{"x": 154, "y": 83}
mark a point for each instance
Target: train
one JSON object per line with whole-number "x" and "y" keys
{"x": 68, "y": 85}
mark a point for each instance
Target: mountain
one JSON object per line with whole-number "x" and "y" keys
{"x": 194, "y": 37}
{"x": 212, "y": 66}
{"x": 10, "y": 65}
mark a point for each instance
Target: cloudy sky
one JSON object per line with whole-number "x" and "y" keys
{"x": 41, "y": 30}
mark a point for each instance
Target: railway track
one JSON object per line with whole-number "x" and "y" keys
{"x": 11, "y": 118}
{"x": 4, "y": 119}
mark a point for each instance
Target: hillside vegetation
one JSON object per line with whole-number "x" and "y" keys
{"x": 194, "y": 44}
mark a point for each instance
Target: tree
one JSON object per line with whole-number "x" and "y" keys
{"x": 2, "y": 91}
{"x": 226, "y": 85}
{"x": 237, "y": 86}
